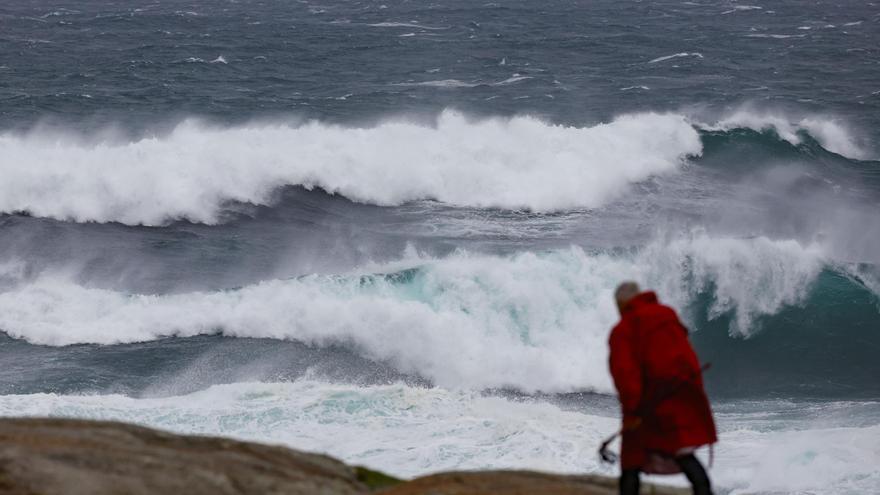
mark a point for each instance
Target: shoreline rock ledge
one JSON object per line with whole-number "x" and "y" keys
{"x": 53, "y": 456}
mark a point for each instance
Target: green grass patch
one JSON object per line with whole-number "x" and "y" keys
{"x": 375, "y": 479}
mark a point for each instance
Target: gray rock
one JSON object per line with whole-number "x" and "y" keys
{"x": 47, "y": 456}
{"x": 73, "y": 457}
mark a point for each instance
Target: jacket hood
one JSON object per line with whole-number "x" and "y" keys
{"x": 648, "y": 297}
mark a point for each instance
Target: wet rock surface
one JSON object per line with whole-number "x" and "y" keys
{"x": 48, "y": 456}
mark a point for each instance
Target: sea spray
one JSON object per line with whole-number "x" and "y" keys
{"x": 533, "y": 321}
{"x": 832, "y": 134}
{"x": 417, "y": 430}
{"x": 515, "y": 163}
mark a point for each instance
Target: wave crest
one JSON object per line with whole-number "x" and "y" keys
{"x": 530, "y": 321}
{"x": 830, "y": 133}
{"x": 519, "y": 163}
{"x": 516, "y": 163}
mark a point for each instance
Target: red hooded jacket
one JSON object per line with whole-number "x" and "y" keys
{"x": 658, "y": 380}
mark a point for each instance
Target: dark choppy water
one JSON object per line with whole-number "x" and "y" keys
{"x": 288, "y": 220}
{"x": 572, "y": 62}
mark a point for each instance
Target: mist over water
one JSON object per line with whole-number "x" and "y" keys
{"x": 293, "y": 222}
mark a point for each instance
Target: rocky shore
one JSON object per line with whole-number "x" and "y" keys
{"x": 48, "y": 456}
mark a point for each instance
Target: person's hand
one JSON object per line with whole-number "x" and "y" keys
{"x": 631, "y": 423}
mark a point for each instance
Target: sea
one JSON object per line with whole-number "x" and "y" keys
{"x": 390, "y": 230}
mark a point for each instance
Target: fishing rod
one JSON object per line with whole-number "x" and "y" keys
{"x": 609, "y": 456}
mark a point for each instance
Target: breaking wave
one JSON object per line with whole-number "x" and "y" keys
{"x": 831, "y": 134}
{"x": 516, "y": 163}
{"x": 533, "y": 321}
{"x": 195, "y": 171}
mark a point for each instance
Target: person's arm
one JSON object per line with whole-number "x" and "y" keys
{"x": 626, "y": 372}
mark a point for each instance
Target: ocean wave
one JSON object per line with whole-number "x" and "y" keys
{"x": 740, "y": 8}
{"x": 415, "y": 431}
{"x": 442, "y": 83}
{"x": 456, "y": 83}
{"x": 512, "y": 79}
{"x": 776, "y": 36}
{"x": 832, "y": 134}
{"x": 407, "y": 25}
{"x": 529, "y": 321}
{"x": 676, "y": 55}
{"x": 519, "y": 163}
{"x": 515, "y": 163}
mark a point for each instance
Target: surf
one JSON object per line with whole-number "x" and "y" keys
{"x": 545, "y": 315}
{"x": 195, "y": 171}
{"x": 515, "y": 163}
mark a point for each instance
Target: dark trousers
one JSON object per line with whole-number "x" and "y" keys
{"x": 690, "y": 466}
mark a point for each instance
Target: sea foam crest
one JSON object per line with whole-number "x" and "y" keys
{"x": 515, "y": 163}
{"x": 531, "y": 321}
{"x": 831, "y": 134}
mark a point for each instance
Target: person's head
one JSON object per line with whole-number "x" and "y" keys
{"x": 624, "y": 294}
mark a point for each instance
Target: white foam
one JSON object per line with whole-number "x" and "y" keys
{"x": 219, "y": 60}
{"x": 512, "y": 79}
{"x": 741, "y": 8}
{"x": 676, "y": 55}
{"x": 456, "y": 83}
{"x": 410, "y": 431}
{"x": 821, "y": 460}
{"x": 530, "y": 321}
{"x": 748, "y": 278}
{"x": 516, "y": 163}
{"x": 407, "y": 25}
{"x": 442, "y": 83}
{"x": 403, "y": 430}
{"x": 833, "y": 136}
{"x": 776, "y": 36}
{"x": 830, "y": 133}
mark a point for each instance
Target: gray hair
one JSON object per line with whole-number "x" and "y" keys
{"x": 626, "y": 291}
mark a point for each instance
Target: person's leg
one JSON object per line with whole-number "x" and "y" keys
{"x": 629, "y": 482}
{"x": 695, "y": 473}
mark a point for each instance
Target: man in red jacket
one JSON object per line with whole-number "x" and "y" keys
{"x": 666, "y": 413}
